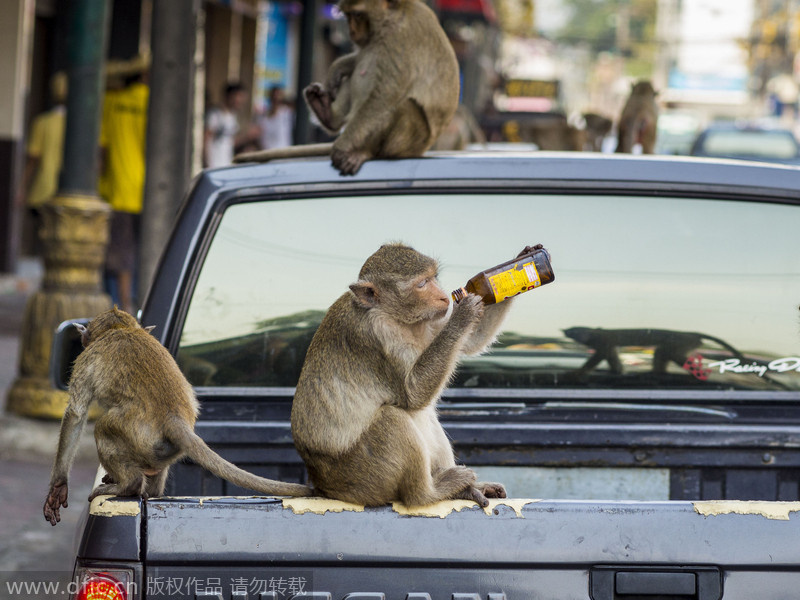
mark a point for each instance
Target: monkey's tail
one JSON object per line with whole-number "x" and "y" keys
{"x": 300, "y": 151}
{"x": 195, "y": 448}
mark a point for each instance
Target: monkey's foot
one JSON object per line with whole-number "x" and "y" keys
{"x": 112, "y": 489}
{"x": 475, "y": 494}
{"x": 106, "y": 489}
{"x": 492, "y": 490}
{"x": 471, "y": 492}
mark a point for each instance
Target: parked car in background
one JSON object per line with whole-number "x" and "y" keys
{"x": 677, "y": 131}
{"x": 748, "y": 142}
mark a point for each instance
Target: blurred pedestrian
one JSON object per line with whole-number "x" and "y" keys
{"x": 44, "y": 153}
{"x": 275, "y": 125}
{"x": 785, "y": 93}
{"x": 222, "y": 127}
{"x": 123, "y": 144}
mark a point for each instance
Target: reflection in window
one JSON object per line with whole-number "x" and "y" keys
{"x": 649, "y": 292}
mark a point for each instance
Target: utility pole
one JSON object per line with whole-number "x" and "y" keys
{"x": 74, "y": 223}
{"x": 308, "y": 26}
{"x": 170, "y": 119}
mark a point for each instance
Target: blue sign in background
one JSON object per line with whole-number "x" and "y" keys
{"x": 276, "y": 53}
{"x": 706, "y": 82}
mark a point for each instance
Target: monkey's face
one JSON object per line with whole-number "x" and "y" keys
{"x": 403, "y": 284}
{"x": 407, "y": 301}
{"x": 358, "y": 24}
{"x": 365, "y": 17}
{"x": 424, "y": 299}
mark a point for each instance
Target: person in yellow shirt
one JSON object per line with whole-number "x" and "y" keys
{"x": 123, "y": 143}
{"x": 45, "y": 148}
{"x": 44, "y": 151}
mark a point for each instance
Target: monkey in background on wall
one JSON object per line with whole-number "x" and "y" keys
{"x": 364, "y": 414}
{"x": 149, "y": 411}
{"x": 597, "y": 128}
{"x": 393, "y": 96}
{"x": 637, "y": 123}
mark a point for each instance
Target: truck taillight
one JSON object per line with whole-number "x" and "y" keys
{"x": 104, "y": 585}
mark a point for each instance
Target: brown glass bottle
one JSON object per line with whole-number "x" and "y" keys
{"x": 506, "y": 280}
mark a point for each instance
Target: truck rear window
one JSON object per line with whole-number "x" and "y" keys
{"x": 650, "y": 292}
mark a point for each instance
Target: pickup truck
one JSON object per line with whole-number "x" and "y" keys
{"x": 643, "y": 411}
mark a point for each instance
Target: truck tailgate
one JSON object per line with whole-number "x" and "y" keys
{"x": 273, "y": 548}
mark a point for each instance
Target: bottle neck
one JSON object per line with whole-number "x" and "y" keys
{"x": 458, "y": 295}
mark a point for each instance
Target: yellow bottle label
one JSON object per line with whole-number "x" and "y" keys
{"x": 515, "y": 281}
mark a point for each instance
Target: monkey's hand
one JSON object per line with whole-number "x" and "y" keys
{"x": 315, "y": 90}
{"x": 467, "y": 312}
{"x": 319, "y": 100}
{"x": 527, "y": 249}
{"x": 56, "y": 498}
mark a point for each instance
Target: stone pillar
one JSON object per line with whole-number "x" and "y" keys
{"x": 75, "y": 234}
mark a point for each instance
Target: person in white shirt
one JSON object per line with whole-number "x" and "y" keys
{"x": 222, "y": 127}
{"x": 277, "y": 122}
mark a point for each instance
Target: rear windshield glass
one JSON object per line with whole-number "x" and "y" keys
{"x": 650, "y": 293}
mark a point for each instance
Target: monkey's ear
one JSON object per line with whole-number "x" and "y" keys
{"x": 366, "y": 293}
{"x": 149, "y": 328}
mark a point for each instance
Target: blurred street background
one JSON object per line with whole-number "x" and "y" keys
{"x": 551, "y": 74}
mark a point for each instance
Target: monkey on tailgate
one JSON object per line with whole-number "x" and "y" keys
{"x": 147, "y": 424}
{"x": 639, "y": 118}
{"x": 391, "y": 97}
{"x": 364, "y": 415}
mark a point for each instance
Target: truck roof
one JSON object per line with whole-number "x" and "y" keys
{"x": 547, "y": 169}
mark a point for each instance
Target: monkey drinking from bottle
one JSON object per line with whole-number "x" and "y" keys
{"x": 364, "y": 415}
